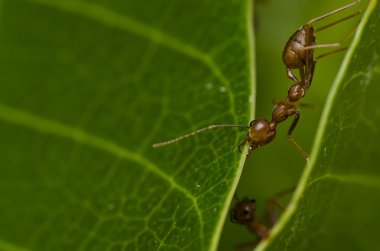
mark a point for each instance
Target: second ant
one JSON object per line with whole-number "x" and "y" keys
{"x": 244, "y": 213}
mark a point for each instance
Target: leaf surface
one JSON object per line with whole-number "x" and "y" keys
{"x": 86, "y": 88}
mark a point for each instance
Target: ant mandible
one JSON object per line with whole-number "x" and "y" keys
{"x": 298, "y": 54}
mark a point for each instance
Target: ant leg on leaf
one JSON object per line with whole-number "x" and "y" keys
{"x": 241, "y": 144}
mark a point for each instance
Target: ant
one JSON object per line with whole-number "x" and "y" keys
{"x": 244, "y": 213}
{"x": 298, "y": 54}
{"x": 298, "y": 51}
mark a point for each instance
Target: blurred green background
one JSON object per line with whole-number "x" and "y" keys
{"x": 278, "y": 165}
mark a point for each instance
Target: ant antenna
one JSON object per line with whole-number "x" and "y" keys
{"x": 210, "y": 127}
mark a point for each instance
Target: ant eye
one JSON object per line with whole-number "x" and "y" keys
{"x": 252, "y": 123}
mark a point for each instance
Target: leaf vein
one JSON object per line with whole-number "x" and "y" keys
{"x": 103, "y": 15}
{"x": 26, "y": 119}
{"x": 361, "y": 180}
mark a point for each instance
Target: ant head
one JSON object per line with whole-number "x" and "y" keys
{"x": 296, "y": 92}
{"x": 259, "y": 126}
{"x": 261, "y": 132}
{"x": 244, "y": 211}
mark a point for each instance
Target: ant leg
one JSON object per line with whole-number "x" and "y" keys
{"x": 309, "y": 73}
{"x": 334, "y": 11}
{"x": 302, "y": 74}
{"x": 345, "y": 38}
{"x": 259, "y": 229}
{"x": 357, "y": 13}
{"x": 271, "y": 211}
{"x": 341, "y": 42}
{"x": 318, "y": 46}
{"x": 274, "y": 202}
{"x": 251, "y": 149}
{"x": 331, "y": 53}
{"x": 241, "y": 144}
{"x": 291, "y": 75}
{"x": 292, "y": 126}
{"x": 232, "y": 212}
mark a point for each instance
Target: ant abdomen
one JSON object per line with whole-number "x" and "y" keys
{"x": 294, "y": 55}
{"x": 298, "y": 51}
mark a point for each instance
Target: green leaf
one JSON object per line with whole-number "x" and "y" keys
{"x": 336, "y": 204}
{"x": 86, "y": 88}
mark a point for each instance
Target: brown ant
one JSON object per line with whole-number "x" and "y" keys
{"x": 244, "y": 213}
{"x": 297, "y": 54}
{"x": 298, "y": 51}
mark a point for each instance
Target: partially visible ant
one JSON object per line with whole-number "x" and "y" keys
{"x": 298, "y": 54}
{"x": 244, "y": 213}
{"x": 299, "y": 50}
